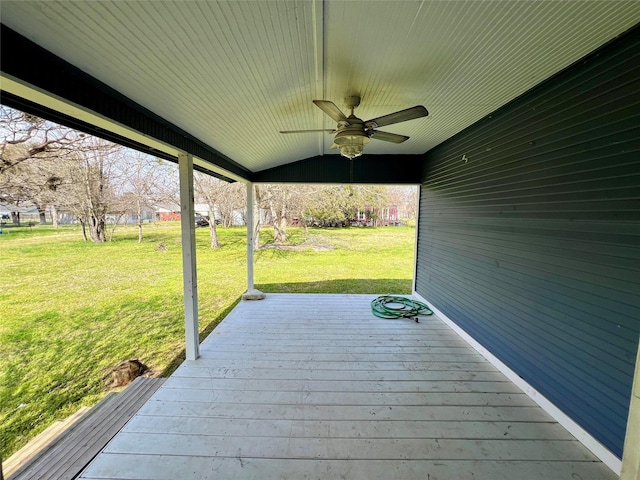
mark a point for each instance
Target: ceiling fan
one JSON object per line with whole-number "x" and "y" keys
{"x": 352, "y": 133}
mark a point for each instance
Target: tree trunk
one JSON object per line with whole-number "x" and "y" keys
{"x": 280, "y": 227}
{"x": 139, "y": 219}
{"x": 84, "y": 229}
{"x": 256, "y": 227}
{"x": 43, "y": 215}
{"x": 279, "y": 224}
{"x": 213, "y": 233}
{"x": 54, "y": 216}
{"x": 15, "y": 218}
{"x": 115, "y": 224}
{"x": 97, "y": 229}
{"x": 283, "y": 220}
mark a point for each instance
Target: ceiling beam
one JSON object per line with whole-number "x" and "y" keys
{"x": 319, "y": 38}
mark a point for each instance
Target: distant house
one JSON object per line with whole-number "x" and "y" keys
{"x": 168, "y": 213}
{"x": 378, "y": 217}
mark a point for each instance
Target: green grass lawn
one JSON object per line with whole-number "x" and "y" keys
{"x": 73, "y": 310}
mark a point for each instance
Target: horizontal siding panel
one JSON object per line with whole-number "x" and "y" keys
{"x": 543, "y": 135}
{"x": 528, "y": 325}
{"x": 582, "y": 307}
{"x": 552, "y": 313}
{"x": 556, "y": 387}
{"x": 593, "y": 268}
{"x": 601, "y": 234}
{"x": 543, "y": 322}
{"x": 537, "y": 242}
{"x": 557, "y": 177}
{"x": 574, "y": 210}
{"x": 529, "y": 236}
{"x": 471, "y": 169}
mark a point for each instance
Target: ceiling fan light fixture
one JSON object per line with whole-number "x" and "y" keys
{"x": 350, "y": 146}
{"x": 352, "y": 134}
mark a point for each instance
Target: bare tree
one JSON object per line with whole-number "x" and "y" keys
{"x": 88, "y": 187}
{"x": 284, "y": 203}
{"x": 258, "y": 191}
{"x": 27, "y": 136}
{"x": 48, "y": 165}
{"x": 146, "y": 183}
{"x": 275, "y": 198}
{"x": 209, "y": 189}
{"x": 30, "y": 152}
{"x": 232, "y": 204}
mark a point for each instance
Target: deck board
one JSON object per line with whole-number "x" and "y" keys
{"x": 65, "y": 458}
{"x": 266, "y": 385}
{"x": 116, "y": 466}
{"x": 353, "y": 428}
{"x": 315, "y": 386}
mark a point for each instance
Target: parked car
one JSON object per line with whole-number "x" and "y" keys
{"x": 202, "y": 221}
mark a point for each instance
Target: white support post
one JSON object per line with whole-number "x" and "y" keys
{"x": 190, "y": 281}
{"x": 251, "y": 293}
{"x": 415, "y": 242}
{"x": 631, "y": 453}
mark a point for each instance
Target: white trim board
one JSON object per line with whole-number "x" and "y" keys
{"x": 415, "y": 239}
{"x": 46, "y": 99}
{"x": 584, "y": 437}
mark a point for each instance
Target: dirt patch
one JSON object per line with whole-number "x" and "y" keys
{"x": 126, "y": 372}
{"x": 316, "y": 243}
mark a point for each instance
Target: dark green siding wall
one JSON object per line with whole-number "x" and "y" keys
{"x": 529, "y": 236}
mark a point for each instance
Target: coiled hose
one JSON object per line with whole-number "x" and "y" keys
{"x": 391, "y": 306}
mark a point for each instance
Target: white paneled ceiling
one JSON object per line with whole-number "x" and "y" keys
{"x": 234, "y": 73}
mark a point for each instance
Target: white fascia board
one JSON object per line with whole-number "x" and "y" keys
{"x": 30, "y": 92}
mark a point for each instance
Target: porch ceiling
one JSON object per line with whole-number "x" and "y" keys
{"x": 231, "y": 74}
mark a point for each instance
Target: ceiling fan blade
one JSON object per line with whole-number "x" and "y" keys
{"x": 397, "y": 117}
{"x": 389, "y": 137}
{"x": 307, "y": 131}
{"x": 331, "y": 109}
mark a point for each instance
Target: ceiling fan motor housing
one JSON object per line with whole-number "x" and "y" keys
{"x": 351, "y": 140}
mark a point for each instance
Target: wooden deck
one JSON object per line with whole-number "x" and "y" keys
{"x": 315, "y": 386}
{"x": 67, "y": 453}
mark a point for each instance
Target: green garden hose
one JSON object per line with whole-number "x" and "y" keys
{"x": 391, "y": 306}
